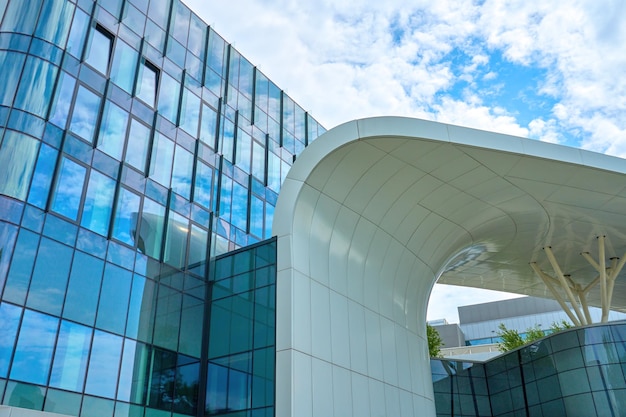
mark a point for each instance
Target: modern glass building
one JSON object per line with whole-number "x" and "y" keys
{"x": 163, "y": 253}
{"x": 135, "y": 145}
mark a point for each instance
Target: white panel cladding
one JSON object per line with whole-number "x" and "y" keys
{"x": 342, "y": 391}
{"x": 320, "y": 322}
{"x": 322, "y": 377}
{"x": 339, "y": 330}
{"x": 358, "y": 340}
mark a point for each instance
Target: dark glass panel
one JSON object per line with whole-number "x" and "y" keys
{"x": 33, "y": 352}
{"x": 85, "y": 114}
{"x": 62, "y": 402}
{"x": 70, "y": 358}
{"x": 98, "y": 203}
{"x": 124, "y": 66}
{"x": 191, "y": 324}
{"x": 18, "y": 154}
{"x": 42, "y": 177}
{"x": 103, "y": 365}
{"x": 99, "y": 49}
{"x": 113, "y": 130}
{"x": 167, "y": 323}
{"x": 21, "y": 16}
{"x": 69, "y": 189}
{"x": 54, "y": 21}
{"x": 24, "y": 396}
{"x": 83, "y": 289}
{"x": 114, "y": 296}
{"x": 47, "y": 287}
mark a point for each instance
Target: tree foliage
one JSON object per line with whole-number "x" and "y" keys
{"x": 511, "y": 339}
{"x": 434, "y": 341}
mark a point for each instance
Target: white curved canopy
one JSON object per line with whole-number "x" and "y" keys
{"x": 376, "y": 210}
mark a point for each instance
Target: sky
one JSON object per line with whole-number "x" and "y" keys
{"x": 520, "y": 67}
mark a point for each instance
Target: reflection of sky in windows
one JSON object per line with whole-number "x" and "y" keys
{"x": 103, "y": 365}
{"x": 17, "y": 159}
{"x": 99, "y": 51}
{"x": 70, "y": 359}
{"x": 11, "y": 64}
{"x": 190, "y": 112}
{"x": 146, "y": 86}
{"x": 123, "y": 66}
{"x": 85, "y": 114}
{"x": 239, "y": 209}
{"x": 33, "y": 353}
{"x": 69, "y": 189}
{"x": 36, "y": 86}
{"x": 168, "y": 97}
{"x": 204, "y": 179}
{"x": 161, "y": 163}
{"x": 63, "y": 100}
{"x": 113, "y": 130}
{"x": 137, "y": 145}
{"x": 125, "y": 223}
{"x": 181, "y": 173}
{"x": 244, "y": 150}
{"x": 98, "y": 203}
{"x": 9, "y": 320}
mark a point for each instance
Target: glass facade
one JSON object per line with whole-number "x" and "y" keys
{"x": 141, "y": 158}
{"x": 578, "y": 372}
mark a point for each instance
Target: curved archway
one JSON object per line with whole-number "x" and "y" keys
{"x": 370, "y": 216}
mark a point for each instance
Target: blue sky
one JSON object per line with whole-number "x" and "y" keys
{"x": 521, "y": 67}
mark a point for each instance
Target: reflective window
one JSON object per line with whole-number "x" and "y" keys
{"x": 208, "y": 126}
{"x": 69, "y": 189}
{"x": 124, "y": 66}
{"x": 239, "y": 215}
{"x": 182, "y": 172}
{"x": 135, "y": 359}
{"x": 99, "y": 49}
{"x": 197, "y": 30}
{"x": 147, "y": 83}
{"x": 54, "y": 22}
{"x": 190, "y": 112}
{"x": 179, "y": 26}
{"x": 141, "y": 309}
{"x": 98, "y": 203}
{"x": 151, "y": 229}
{"x": 137, "y": 145}
{"x": 159, "y": 11}
{"x": 114, "y": 295}
{"x": 227, "y": 139}
{"x": 197, "y": 250}
{"x": 12, "y": 64}
{"x": 10, "y": 318}
{"x": 176, "y": 241}
{"x": 256, "y": 216}
{"x": 168, "y": 97}
{"x": 21, "y": 267}
{"x": 216, "y": 52}
{"x": 42, "y": 177}
{"x": 83, "y": 289}
{"x": 77, "y": 34}
{"x": 33, "y": 354}
{"x": 103, "y": 364}
{"x": 258, "y": 161}
{"x": 126, "y": 215}
{"x": 203, "y": 185}
{"x": 21, "y": 16}
{"x": 162, "y": 159}
{"x": 47, "y": 287}
{"x": 273, "y": 171}
{"x": 35, "y": 91}
{"x": 8, "y": 234}
{"x": 62, "y": 100}
{"x": 70, "y": 358}
{"x": 244, "y": 151}
{"x": 85, "y": 114}
{"x": 18, "y": 154}
{"x": 113, "y": 130}
{"x": 168, "y": 311}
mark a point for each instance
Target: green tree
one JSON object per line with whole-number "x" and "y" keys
{"x": 434, "y": 341}
{"x": 562, "y": 325}
{"x": 511, "y": 338}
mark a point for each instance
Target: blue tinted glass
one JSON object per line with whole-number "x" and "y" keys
{"x": 176, "y": 242}
{"x": 8, "y": 234}
{"x": 159, "y": 11}
{"x": 21, "y": 16}
{"x": 161, "y": 161}
{"x": 21, "y": 267}
{"x": 69, "y": 189}
{"x": 217, "y": 385}
{"x": 204, "y": 180}
{"x": 197, "y": 30}
{"x": 216, "y": 52}
{"x": 256, "y": 216}
{"x": 98, "y": 203}
{"x": 33, "y": 353}
{"x": 42, "y": 178}
{"x": 239, "y": 216}
{"x": 258, "y": 161}
{"x": 126, "y": 214}
{"x": 244, "y": 151}
{"x": 70, "y": 358}
{"x": 146, "y": 84}
{"x": 63, "y": 99}
{"x": 112, "y": 130}
{"x": 47, "y": 287}
{"x": 11, "y": 64}
{"x": 54, "y": 21}
{"x": 124, "y": 66}
{"x": 83, "y": 289}
{"x": 10, "y": 319}
{"x": 168, "y": 318}
{"x": 99, "y": 50}
{"x": 168, "y": 97}
{"x": 35, "y": 91}
{"x": 18, "y": 154}
{"x": 227, "y": 139}
{"x": 141, "y": 309}
{"x": 134, "y": 361}
{"x": 114, "y": 296}
{"x": 137, "y": 145}
{"x": 191, "y": 331}
{"x": 85, "y": 114}
{"x": 190, "y": 112}
{"x": 134, "y": 18}
{"x": 182, "y": 172}
{"x": 197, "y": 250}
{"x": 103, "y": 364}
{"x": 208, "y": 126}
{"x": 269, "y": 218}
{"x": 151, "y": 229}
{"x": 273, "y": 171}
{"x": 77, "y": 34}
